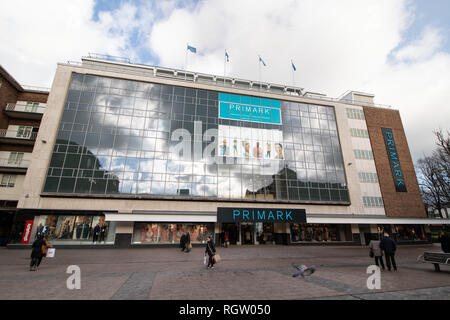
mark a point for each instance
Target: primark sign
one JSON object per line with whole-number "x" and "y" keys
{"x": 233, "y": 215}
{"x": 252, "y": 109}
{"x": 394, "y": 161}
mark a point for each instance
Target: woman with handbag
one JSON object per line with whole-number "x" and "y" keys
{"x": 39, "y": 250}
{"x": 211, "y": 251}
{"x": 376, "y": 252}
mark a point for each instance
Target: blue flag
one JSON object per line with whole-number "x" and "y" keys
{"x": 192, "y": 49}
{"x": 262, "y": 61}
{"x": 293, "y": 66}
{"x": 226, "y": 55}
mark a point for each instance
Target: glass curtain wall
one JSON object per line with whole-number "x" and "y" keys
{"x": 134, "y": 138}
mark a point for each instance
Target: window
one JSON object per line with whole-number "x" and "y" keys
{"x": 368, "y": 177}
{"x": 135, "y": 146}
{"x": 24, "y": 132}
{"x": 15, "y": 158}
{"x": 355, "y": 114}
{"x": 363, "y": 154}
{"x": 373, "y": 201}
{"x": 7, "y": 180}
{"x": 359, "y": 133}
{"x": 31, "y": 106}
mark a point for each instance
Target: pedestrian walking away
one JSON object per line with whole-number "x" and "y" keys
{"x": 444, "y": 239}
{"x": 226, "y": 239}
{"x": 374, "y": 246}
{"x": 211, "y": 251}
{"x": 183, "y": 241}
{"x": 39, "y": 250}
{"x": 188, "y": 242}
{"x": 389, "y": 247}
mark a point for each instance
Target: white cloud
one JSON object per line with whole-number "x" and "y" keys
{"x": 423, "y": 48}
{"x": 38, "y": 34}
{"x": 335, "y": 45}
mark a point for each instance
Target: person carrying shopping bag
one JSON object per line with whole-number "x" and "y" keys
{"x": 211, "y": 251}
{"x": 39, "y": 250}
{"x": 376, "y": 252}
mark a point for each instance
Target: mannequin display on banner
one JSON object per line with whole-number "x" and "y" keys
{"x": 235, "y": 148}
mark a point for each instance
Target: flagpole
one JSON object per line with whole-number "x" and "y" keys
{"x": 225, "y": 63}
{"x": 293, "y": 79}
{"x": 185, "y": 61}
{"x": 259, "y": 72}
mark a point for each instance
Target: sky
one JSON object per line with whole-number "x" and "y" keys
{"x": 398, "y": 50}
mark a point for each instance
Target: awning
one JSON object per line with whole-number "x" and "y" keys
{"x": 144, "y": 216}
{"x": 211, "y": 217}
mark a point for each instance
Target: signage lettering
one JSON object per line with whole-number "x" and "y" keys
{"x": 397, "y": 173}
{"x": 260, "y": 215}
{"x": 27, "y": 232}
{"x": 245, "y": 108}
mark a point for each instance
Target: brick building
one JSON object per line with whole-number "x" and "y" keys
{"x": 20, "y": 117}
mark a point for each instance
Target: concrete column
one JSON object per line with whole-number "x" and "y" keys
{"x": 124, "y": 234}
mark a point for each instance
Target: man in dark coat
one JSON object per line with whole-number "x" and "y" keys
{"x": 188, "y": 241}
{"x": 211, "y": 251}
{"x": 445, "y": 242}
{"x": 388, "y": 246}
{"x": 183, "y": 241}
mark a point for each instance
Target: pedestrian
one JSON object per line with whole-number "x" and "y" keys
{"x": 389, "y": 247}
{"x": 226, "y": 239}
{"x": 183, "y": 241}
{"x": 96, "y": 233}
{"x": 374, "y": 246}
{"x": 444, "y": 239}
{"x": 188, "y": 242}
{"x": 222, "y": 239}
{"x": 211, "y": 251}
{"x": 39, "y": 250}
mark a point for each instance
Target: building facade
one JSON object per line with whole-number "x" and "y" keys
{"x": 21, "y": 113}
{"x": 135, "y": 155}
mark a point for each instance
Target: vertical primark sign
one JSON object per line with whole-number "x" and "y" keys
{"x": 397, "y": 173}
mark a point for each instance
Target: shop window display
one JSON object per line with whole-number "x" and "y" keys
{"x": 75, "y": 228}
{"x": 410, "y": 232}
{"x": 318, "y": 232}
{"x": 165, "y": 233}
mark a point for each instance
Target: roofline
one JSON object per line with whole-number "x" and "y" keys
{"x": 10, "y": 78}
{"x": 19, "y": 87}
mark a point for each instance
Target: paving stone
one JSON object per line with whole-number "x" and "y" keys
{"x": 246, "y": 272}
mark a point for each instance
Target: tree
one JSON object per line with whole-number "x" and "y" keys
{"x": 434, "y": 175}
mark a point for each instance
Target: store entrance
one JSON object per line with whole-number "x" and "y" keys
{"x": 232, "y": 230}
{"x": 264, "y": 233}
{"x": 247, "y": 233}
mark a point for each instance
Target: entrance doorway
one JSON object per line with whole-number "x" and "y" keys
{"x": 232, "y": 230}
{"x": 264, "y": 233}
{"x": 248, "y": 233}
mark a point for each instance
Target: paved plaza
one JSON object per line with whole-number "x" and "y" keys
{"x": 246, "y": 272}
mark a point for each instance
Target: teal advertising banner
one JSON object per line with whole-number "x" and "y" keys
{"x": 397, "y": 173}
{"x": 245, "y": 108}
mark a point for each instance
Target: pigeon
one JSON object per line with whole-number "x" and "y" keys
{"x": 303, "y": 270}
